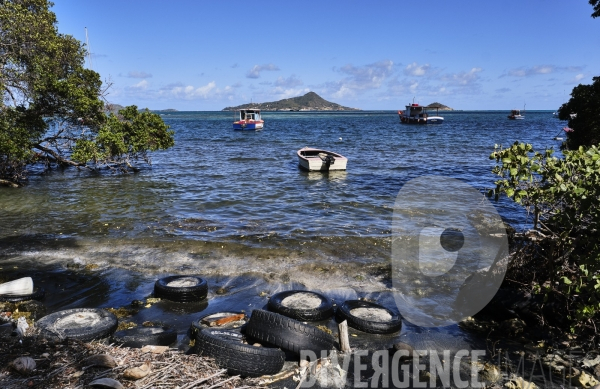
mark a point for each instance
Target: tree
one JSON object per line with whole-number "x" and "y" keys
{"x": 563, "y": 195}
{"x": 582, "y": 112}
{"x": 52, "y": 106}
{"x": 596, "y": 5}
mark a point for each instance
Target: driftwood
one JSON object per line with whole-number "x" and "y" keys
{"x": 60, "y": 366}
{"x": 8, "y": 183}
{"x": 344, "y": 340}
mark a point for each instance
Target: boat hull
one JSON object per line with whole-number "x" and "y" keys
{"x": 241, "y": 125}
{"x": 309, "y": 159}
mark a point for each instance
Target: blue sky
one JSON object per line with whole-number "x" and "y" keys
{"x": 467, "y": 54}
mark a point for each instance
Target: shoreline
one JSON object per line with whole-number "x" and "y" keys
{"x": 105, "y": 287}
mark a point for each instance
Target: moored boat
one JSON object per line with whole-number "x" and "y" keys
{"x": 249, "y": 119}
{"x": 322, "y": 160}
{"x": 515, "y": 114}
{"x": 415, "y": 114}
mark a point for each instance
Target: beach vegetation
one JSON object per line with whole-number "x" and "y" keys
{"x": 53, "y": 109}
{"x": 560, "y": 257}
{"x": 582, "y": 113}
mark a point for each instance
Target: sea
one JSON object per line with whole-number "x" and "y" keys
{"x": 235, "y": 208}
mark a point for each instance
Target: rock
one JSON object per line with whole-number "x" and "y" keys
{"x": 22, "y": 327}
{"x": 101, "y": 360}
{"x": 135, "y": 373}
{"x": 516, "y": 382}
{"x": 490, "y": 373}
{"x": 591, "y": 362}
{"x": 597, "y": 371}
{"x": 23, "y": 365}
{"x": 221, "y": 291}
{"x": 406, "y": 347}
{"x": 107, "y": 383}
{"x": 586, "y": 380}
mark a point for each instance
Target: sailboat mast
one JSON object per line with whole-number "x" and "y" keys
{"x": 89, "y": 50}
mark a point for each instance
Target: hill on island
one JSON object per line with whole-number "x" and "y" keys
{"x": 309, "y": 102}
{"x": 439, "y": 106}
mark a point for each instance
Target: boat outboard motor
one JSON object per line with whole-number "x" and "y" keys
{"x": 327, "y": 158}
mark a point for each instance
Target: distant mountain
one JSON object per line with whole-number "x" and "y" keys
{"x": 439, "y": 106}
{"x": 309, "y": 102}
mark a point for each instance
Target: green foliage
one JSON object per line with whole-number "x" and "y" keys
{"x": 123, "y": 138}
{"x": 584, "y": 102}
{"x": 596, "y": 5}
{"x": 563, "y": 194}
{"x": 51, "y": 104}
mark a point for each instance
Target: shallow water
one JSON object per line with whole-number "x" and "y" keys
{"x": 233, "y": 205}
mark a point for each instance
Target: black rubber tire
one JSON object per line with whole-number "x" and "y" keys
{"x": 322, "y": 312}
{"x": 38, "y": 294}
{"x": 197, "y": 324}
{"x": 287, "y": 333}
{"x": 50, "y": 326}
{"x": 143, "y": 336}
{"x": 183, "y": 294}
{"x": 230, "y": 353}
{"x": 369, "y": 326}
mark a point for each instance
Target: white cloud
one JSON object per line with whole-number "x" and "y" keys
{"x": 360, "y": 78}
{"x": 289, "y": 82}
{"x": 462, "y": 79}
{"x": 136, "y": 74}
{"x": 189, "y": 92}
{"x": 140, "y": 86}
{"x": 255, "y": 71}
{"x": 414, "y": 69}
{"x": 539, "y": 69}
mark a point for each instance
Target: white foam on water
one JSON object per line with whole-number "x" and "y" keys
{"x": 336, "y": 274}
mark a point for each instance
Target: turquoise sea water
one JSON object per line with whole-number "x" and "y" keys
{"x": 231, "y": 203}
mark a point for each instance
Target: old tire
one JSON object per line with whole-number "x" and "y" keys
{"x": 38, "y": 294}
{"x": 392, "y": 322}
{"x": 143, "y": 336}
{"x": 183, "y": 289}
{"x": 198, "y": 324}
{"x": 311, "y": 306}
{"x": 230, "y": 353}
{"x": 287, "y": 333}
{"x": 83, "y": 324}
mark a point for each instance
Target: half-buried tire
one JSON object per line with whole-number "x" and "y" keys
{"x": 37, "y": 294}
{"x": 301, "y": 305}
{"x": 183, "y": 289}
{"x": 287, "y": 333}
{"x": 83, "y": 324}
{"x": 219, "y": 320}
{"x": 230, "y": 352}
{"x": 369, "y": 317}
{"x": 144, "y": 336}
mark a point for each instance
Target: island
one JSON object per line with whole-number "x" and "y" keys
{"x": 439, "y": 107}
{"x": 309, "y": 102}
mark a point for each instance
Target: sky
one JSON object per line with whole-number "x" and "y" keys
{"x": 372, "y": 55}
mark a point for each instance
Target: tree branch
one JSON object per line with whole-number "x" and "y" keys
{"x": 57, "y": 157}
